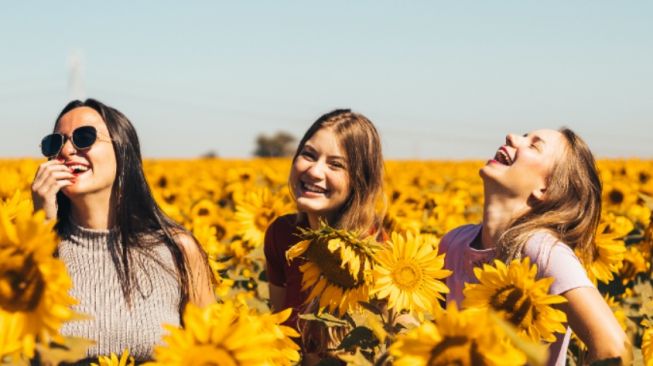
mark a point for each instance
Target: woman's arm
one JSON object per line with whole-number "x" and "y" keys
{"x": 593, "y": 321}
{"x": 200, "y": 287}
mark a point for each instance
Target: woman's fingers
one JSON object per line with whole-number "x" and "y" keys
{"x": 50, "y": 178}
{"x": 45, "y": 170}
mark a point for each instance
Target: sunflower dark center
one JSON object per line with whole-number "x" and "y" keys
{"x": 263, "y": 218}
{"x": 616, "y": 196}
{"x": 21, "y": 283}
{"x": 513, "y": 301}
{"x": 203, "y": 212}
{"x": 170, "y": 199}
{"x": 163, "y": 182}
{"x": 330, "y": 266}
{"x": 220, "y": 231}
{"x": 628, "y": 270}
{"x": 458, "y": 350}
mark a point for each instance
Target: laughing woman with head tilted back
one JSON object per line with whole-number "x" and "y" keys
{"x": 542, "y": 201}
{"x": 133, "y": 268}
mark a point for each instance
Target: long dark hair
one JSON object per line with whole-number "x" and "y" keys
{"x": 137, "y": 217}
{"x": 361, "y": 142}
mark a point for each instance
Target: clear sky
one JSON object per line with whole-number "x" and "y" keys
{"x": 440, "y": 79}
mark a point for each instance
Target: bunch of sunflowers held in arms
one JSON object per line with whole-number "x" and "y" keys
{"x": 384, "y": 300}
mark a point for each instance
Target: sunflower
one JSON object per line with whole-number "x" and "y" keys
{"x": 255, "y": 211}
{"x": 207, "y": 236}
{"x": 204, "y": 210}
{"x": 167, "y": 202}
{"x": 404, "y": 213}
{"x": 455, "y": 337}
{"x": 15, "y": 204}
{"x": 515, "y": 294}
{"x": 409, "y": 272}
{"x": 227, "y": 334}
{"x": 34, "y": 286}
{"x": 609, "y": 248}
{"x": 446, "y": 210}
{"x": 647, "y": 243}
{"x": 619, "y": 195}
{"x": 633, "y": 264}
{"x": 337, "y": 268}
{"x": 240, "y": 180}
{"x": 639, "y": 215}
{"x": 276, "y": 175}
{"x": 12, "y": 181}
{"x": 113, "y": 360}
{"x": 647, "y": 343}
{"x": 215, "y": 252}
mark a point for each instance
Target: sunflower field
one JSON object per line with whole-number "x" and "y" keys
{"x": 373, "y": 303}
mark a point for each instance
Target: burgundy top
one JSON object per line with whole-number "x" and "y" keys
{"x": 279, "y": 237}
{"x": 282, "y": 234}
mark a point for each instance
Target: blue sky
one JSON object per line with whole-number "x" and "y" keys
{"x": 439, "y": 79}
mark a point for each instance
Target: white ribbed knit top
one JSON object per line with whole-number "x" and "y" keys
{"x": 115, "y": 325}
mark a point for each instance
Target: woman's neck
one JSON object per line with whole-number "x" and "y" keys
{"x": 498, "y": 214}
{"x": 314, "y": 220}
{"x": 93, "y": 212}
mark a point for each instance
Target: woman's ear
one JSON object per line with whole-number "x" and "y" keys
{"x": 538, "y": 194}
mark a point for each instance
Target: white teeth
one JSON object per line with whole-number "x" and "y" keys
{"x": 78, "y": 168}
{"x": 313, "y": 188}
{"x": 503, "y": 157}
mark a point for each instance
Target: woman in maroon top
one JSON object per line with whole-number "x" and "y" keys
{"x": 336, "y": 176}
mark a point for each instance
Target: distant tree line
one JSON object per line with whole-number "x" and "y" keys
{"x": 278, "y": 145}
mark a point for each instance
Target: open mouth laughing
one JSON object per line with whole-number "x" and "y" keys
{"x": 503, "y": 157}
{"x": 77, "y": 168}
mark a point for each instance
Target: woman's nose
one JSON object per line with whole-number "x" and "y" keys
{"x": 67, "y": 149}
{"x": 316, "y": 170}
{"x": 512, "y": 139}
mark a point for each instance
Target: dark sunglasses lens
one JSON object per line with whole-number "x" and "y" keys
{"x": 51, "y": 144}
{"x": 84, "y": 137}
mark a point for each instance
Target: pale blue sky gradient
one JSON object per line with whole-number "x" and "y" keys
{"x": 439, "y": 79}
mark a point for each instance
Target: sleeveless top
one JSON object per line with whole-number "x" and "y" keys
{"x": 115, "y": 325}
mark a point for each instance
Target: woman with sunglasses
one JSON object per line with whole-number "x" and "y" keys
{"x": 133, "y": 268}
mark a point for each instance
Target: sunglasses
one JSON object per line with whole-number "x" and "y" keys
{"x": 82, "y": 138}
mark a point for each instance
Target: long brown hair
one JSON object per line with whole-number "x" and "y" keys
{"x": 360, "y": 141}
{"x": 571, "y": 207}
{"x": 360, "y": 212}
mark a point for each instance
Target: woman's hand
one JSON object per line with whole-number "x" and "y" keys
{"x": 50, "y": 178}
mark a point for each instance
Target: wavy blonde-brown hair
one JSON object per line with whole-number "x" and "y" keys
{"x": 570, "y": 209}
{"x": 364, "y": 164}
